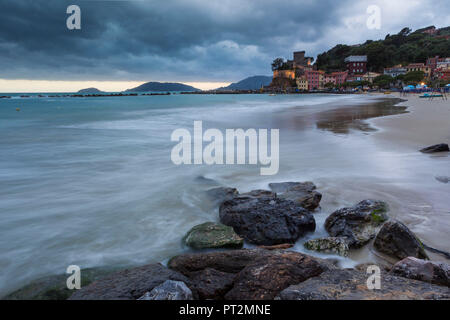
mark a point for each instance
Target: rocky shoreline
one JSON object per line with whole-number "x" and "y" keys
{"x": 273, "y": 220}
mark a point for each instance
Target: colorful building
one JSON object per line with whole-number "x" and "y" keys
{"x": 370, "y": 76}
{"x": 302, "y": 84}
{"x": 340, "y": 77}
{"x": 419, "y": 67}
{"x": 315, "y": 79}
{"x": 394, "y": 71}
{"x": 443, "y": 74}
{"x": 356, "y": 64}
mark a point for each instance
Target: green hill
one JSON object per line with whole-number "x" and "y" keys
{"x": 250, "y": 83}
{"x": 401, "y": 48}
{"x": 162, "y": 87}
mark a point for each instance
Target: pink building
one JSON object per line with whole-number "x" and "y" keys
{"x": 315, "y": 79}
{"x": 340, "y": 77}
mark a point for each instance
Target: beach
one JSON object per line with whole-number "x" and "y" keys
{"x": 90, "y": 182}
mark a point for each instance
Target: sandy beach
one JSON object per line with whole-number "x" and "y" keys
{"x": 426, "y": 124}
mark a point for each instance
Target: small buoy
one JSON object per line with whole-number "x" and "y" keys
{"x": 17, "y": 109}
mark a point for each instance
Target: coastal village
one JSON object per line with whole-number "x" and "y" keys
{"x": 300, "y": 74}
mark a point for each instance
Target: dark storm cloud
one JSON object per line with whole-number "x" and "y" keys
{"x": 140, "y": 40}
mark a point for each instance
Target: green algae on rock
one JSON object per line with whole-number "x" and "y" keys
{"x": 212, "y": 235}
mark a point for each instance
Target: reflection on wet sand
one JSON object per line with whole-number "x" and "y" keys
{"x": 345, "y": 118}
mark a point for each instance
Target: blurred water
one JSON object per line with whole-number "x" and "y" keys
{"x": 89, "y": 181}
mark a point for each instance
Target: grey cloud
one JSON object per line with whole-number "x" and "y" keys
{"x": 159, "y": 40}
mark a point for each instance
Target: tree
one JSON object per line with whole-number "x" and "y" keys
{"x": 277, "y": 64}
{"x": 414, "y": 77}
{"x": 383, "y": 81}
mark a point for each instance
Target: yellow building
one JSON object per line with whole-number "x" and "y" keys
{"x": 369, "y": 76}
{"x": 302, "y": 84}
{"x": 419, "y": 67}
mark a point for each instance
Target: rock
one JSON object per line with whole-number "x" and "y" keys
{"x": 277, "y": 247}
{"x": 266, "y": 220}
{"x": 329, "y": 245}
{"x": 212, "y": 235}
{"x": 266, "y": 277}
{"x": 302, "y": 193}
{"x": 212, "y": 284}
{"x": 55, "y": 287}
{"x": 443, "y": 147}
{"x": 220, "y": 194}
{"x": 169, "y": 290}
{"x": 246, "y": 274}
{"x": 258, "y": 194}
{"x": 358, "y": 224}
{"x": 423, "y": 270}
{"x": 443, "y": 179}
{"x": 225, "y": 261}
{"x": 396, "y": 240}
{"x": 352, "y": 285}
{"x": 129, "y": 284}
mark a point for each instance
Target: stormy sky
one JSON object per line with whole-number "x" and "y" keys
{"x": 186, "y": 41}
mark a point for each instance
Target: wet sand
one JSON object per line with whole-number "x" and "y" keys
{"x": 427, "y": 123}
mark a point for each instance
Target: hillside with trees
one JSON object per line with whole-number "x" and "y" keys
{"x": 402, "y": 48}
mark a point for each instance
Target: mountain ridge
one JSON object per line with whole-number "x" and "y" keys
{"x": 162, "y": 87}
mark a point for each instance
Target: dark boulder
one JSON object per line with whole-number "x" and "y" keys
{"x": 129, "y": 284}
{"x": 212, "y": 284}
{"x": 302, "y": 193}
{"x": 246, "y": 274}
{"x": 423, "y": 270}
{"x": 169, "y": 290}
{"x": 443, "y": 147}
{"x": 266, "y": 277}
{"x": 266, "y": 220}
{"x": 396, "y": 240}
{"x": 54, "y": 287}
{"x": 257, "y": 194}
{"x": 443, "y": 179}
{"x": 358, "y": 224}
{"x": 225, "y": 261}
{"x": 352, "y": 285}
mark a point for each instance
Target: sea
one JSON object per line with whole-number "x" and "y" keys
{"x": 90, "y": 181}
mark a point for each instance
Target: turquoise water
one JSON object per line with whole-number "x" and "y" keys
{"x": 89, "y": 181}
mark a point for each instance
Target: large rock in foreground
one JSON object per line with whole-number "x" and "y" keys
{"x": 266, "y": 220}
{"x": 302, "y": 193}
{"x": 169, "y": 290}
{"x": 352, "y": 285}
{"x": 396, "y": 240}
{"x": 212, "y": 284}
{"x": 129, "y": 284}
{"x": 246, "y": 274}
{"x": 212, "y": 235}
{"x": 358, "y": 224}
{"x": 54, "y": 287}
{"x": 265, "y": 277}
{"x": 423, "y": 270}
{"x": 443, "y": 147}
